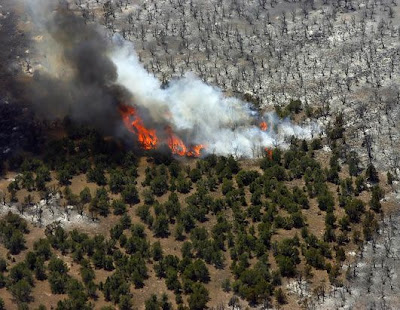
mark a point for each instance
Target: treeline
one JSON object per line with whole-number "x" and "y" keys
{"x": 249, "y": 207}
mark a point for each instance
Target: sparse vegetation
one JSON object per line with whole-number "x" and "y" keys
{"x": 215, "y": 231}
{"x": 231, "y": 224}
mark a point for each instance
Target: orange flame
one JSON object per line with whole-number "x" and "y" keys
{"x": 195, "y": 150}
{"x": 178, "y": 147}
{"x": 175, "y": 144}
{"x": 147, "y": 137}
{"x": 264, "y": 126}
{"x": 269, "y": 152}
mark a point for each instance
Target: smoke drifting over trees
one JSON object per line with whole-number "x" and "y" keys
{"x": 89, "y": 74}
{"x": 334, "y": 56}
{"x": 79, "y": 79}
{"x": 339, "y": 58}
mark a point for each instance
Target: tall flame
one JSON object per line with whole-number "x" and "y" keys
{"x": 269, "y": 152}
{"x": 175, "y": 144}
{"x": 178, "y": 147}
{"x": 147, "y": 137}
{"x": 264, "y": 126}
{"x": 195, "y": 150}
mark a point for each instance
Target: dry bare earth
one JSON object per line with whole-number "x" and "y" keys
{"x": 153, "y": 285}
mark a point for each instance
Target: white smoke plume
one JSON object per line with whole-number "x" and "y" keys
{"x": 225, "y": 125}
{"x": 90, "y": 76}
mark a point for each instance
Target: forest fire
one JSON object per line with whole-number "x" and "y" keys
{"x": 269, "y": 152}
{"x": 175, "y": 144}
{"x": 195, "y": 150}
{"x": 264, "y": 126}
{"x": 148, "y": 137}
{"x": 178, "y": 147}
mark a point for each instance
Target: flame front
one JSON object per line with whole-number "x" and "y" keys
{"x": 147, "y": 137}
{"x": 178, "y": 147}
{"x": 175, "y": 144}
{"x": 269, "y": 152}
{"x": 195, "y": 150}
{"x": 264, "y": 126}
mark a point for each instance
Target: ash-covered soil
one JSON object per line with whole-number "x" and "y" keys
{"x": 373, "y": 280}
{"x": 336, "y": 56}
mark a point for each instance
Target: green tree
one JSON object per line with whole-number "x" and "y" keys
{"x": 199, "y": 297}
{"x": 371, "y": 174}
{"x": 21, "y": 291}
{"x": 315, "y": 258}
{"x": 117, "y": 181}
{"x": 280, "y": 296}
{"x": 360, "y": 184}
{"x": 97, "y": 176}
{"x": 148, "y": 196}
{"x": 172, "y": 207}
{"x": 159, "y": 185}
{"x": 118, "y": 206}
{"x": 227, "y": 186}
{"x": 114, "y": 287}
{"x": 16, "y": 243}
{"x": 377, "y": 195}
{"x": 19, "y": 272}
{"x": 71, "y": 198}
{"x": 226, "y": 285}
{"x": 130, "y": 194}
{"x": 286, "y": 266}
{"x": 28, "y": 180}
{"x": 125, "y": 303}
{"x": 195, "y": 175}
{"x": 152, "y": 303}
{"x": 354, "y": 163}
{"x": 58, "y": 277}
{"x": 344, "y": 223}
{"x": 183, "y": 185}
{"x": 160, "y": 226}
{"x": 64, "y": 177}
{"x": 326, "y": 201}
{"x": 85, "y": 195}
{"x": 3, "y": 265}
{"x": 156, "y": 251}
{"x": 354, "y": 209}
{"x": 42, "y": 176}
{"x": 40, "y": 269}
{"x": 12, "y": 189}
{"x": 197, "y": 271}
{"x": 370, "y": 225}
{"x": 164, "y": 303}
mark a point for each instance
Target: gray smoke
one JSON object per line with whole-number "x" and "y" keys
{"x": 87, "y": 74}
{"x": 76, "y": 77}
{"x": 225, "y": 125}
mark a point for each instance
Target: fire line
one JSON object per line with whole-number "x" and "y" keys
{"x": 148, "y": 137}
